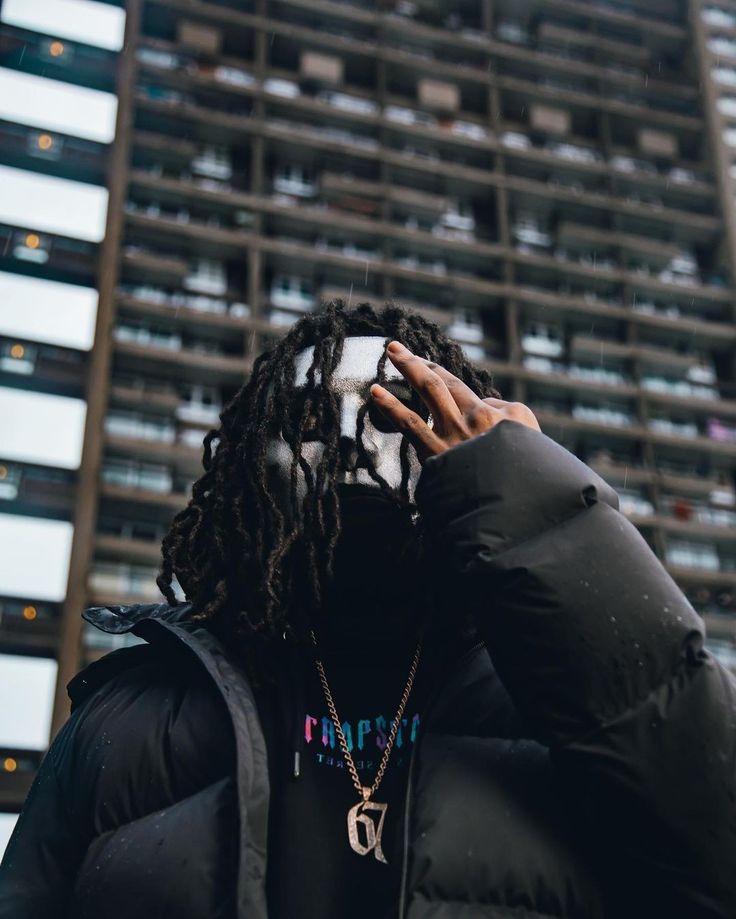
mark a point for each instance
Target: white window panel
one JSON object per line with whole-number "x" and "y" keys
{"x": 56, "y": 106}
{"x": 34, "y": 557}
{"x": 40, "y": 428}
{"x": 7, "y": 825}
{"x": 27, "y": 687}
{"x": 84, "y": 20}
{"x": 47, "y": 311}
{"x": 41, "y": 202}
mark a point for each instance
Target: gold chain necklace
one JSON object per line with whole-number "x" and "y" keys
{"x": 357, "y": 815}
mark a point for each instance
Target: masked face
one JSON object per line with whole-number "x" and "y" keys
{"x": 351, "y": 380}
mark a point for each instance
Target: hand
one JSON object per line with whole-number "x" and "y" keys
{"x": 457, "y": 412}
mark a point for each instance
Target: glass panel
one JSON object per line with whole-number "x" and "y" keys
{"x": 34, "y": 558}
{"x": 40, "y": 202}
{"x": 39, "y": 428}
{"x": 89, "y": 22}
{"x": 48, "y": 311}
{"x": 27, "y": 683}
{"x": 55, "y": 106}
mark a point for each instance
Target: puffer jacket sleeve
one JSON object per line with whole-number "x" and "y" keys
{"x": 47, "y": 846}
{"x": 603, "y": 656}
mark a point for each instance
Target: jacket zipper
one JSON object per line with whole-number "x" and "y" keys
{"x": 407, "y": 801}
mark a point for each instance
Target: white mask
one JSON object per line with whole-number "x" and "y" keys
{"x": 351, "y": 380}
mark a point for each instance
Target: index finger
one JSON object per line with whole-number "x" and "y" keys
{"x": 461, "y": 392}
{"x": 430, "y": 386}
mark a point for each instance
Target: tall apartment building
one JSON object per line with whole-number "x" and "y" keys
{"x": 552, "y": 181}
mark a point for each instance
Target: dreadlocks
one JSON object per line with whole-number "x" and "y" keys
{"x": 237, "y": 561}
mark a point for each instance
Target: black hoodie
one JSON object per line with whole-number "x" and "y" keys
{"x": 374, "y": 616}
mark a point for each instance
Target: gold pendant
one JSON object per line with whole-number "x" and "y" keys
{"x": 357, "y": 815}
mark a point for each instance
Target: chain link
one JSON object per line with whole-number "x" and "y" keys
{"x": 362, "y": 790}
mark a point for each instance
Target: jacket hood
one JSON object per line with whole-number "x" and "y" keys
{"x": 118, "y": 620}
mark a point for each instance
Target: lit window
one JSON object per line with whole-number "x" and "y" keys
{"x": 17, "y": 358}
{"x": 56, "y": 48}
{"x": 93, "y": 23}
{"x": 30, "y": 247}
{"x": 47, "y": 311}
{"x": 45, "y": 146}
{"x": 55, "y": 106}
{"x": 10, "y": 478}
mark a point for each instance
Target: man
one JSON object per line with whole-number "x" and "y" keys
{"x": 425, "y": 669}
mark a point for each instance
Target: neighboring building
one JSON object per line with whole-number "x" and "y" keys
{"x": 57, "y": 123}
{"x": 545, "y": 179}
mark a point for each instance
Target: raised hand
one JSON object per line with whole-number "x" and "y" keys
{"x": 457, "y": 412}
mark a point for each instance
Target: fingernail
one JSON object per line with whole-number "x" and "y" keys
{"x": 396, "y": 346}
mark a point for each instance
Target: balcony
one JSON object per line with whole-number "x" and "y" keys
{"x": 119, "y": 583}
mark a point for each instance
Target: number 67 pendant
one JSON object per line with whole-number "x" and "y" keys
{"x": 357, "y": 816}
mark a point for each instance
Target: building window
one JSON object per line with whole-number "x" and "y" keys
{"x": 34, "y": 560}
{"x": 55, "y": 106}
{"x": 29, "y": 682}
{"x": 40, "y": 428}
{"x": 47, "y": 311}
{"x": 98, "y": 24}
{"x": 75, "y": 209}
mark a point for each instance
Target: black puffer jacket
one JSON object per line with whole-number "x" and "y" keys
{"x": 585, "y": 768}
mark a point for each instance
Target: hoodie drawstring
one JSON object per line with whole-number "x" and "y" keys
{"x": 298, "y": 713}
